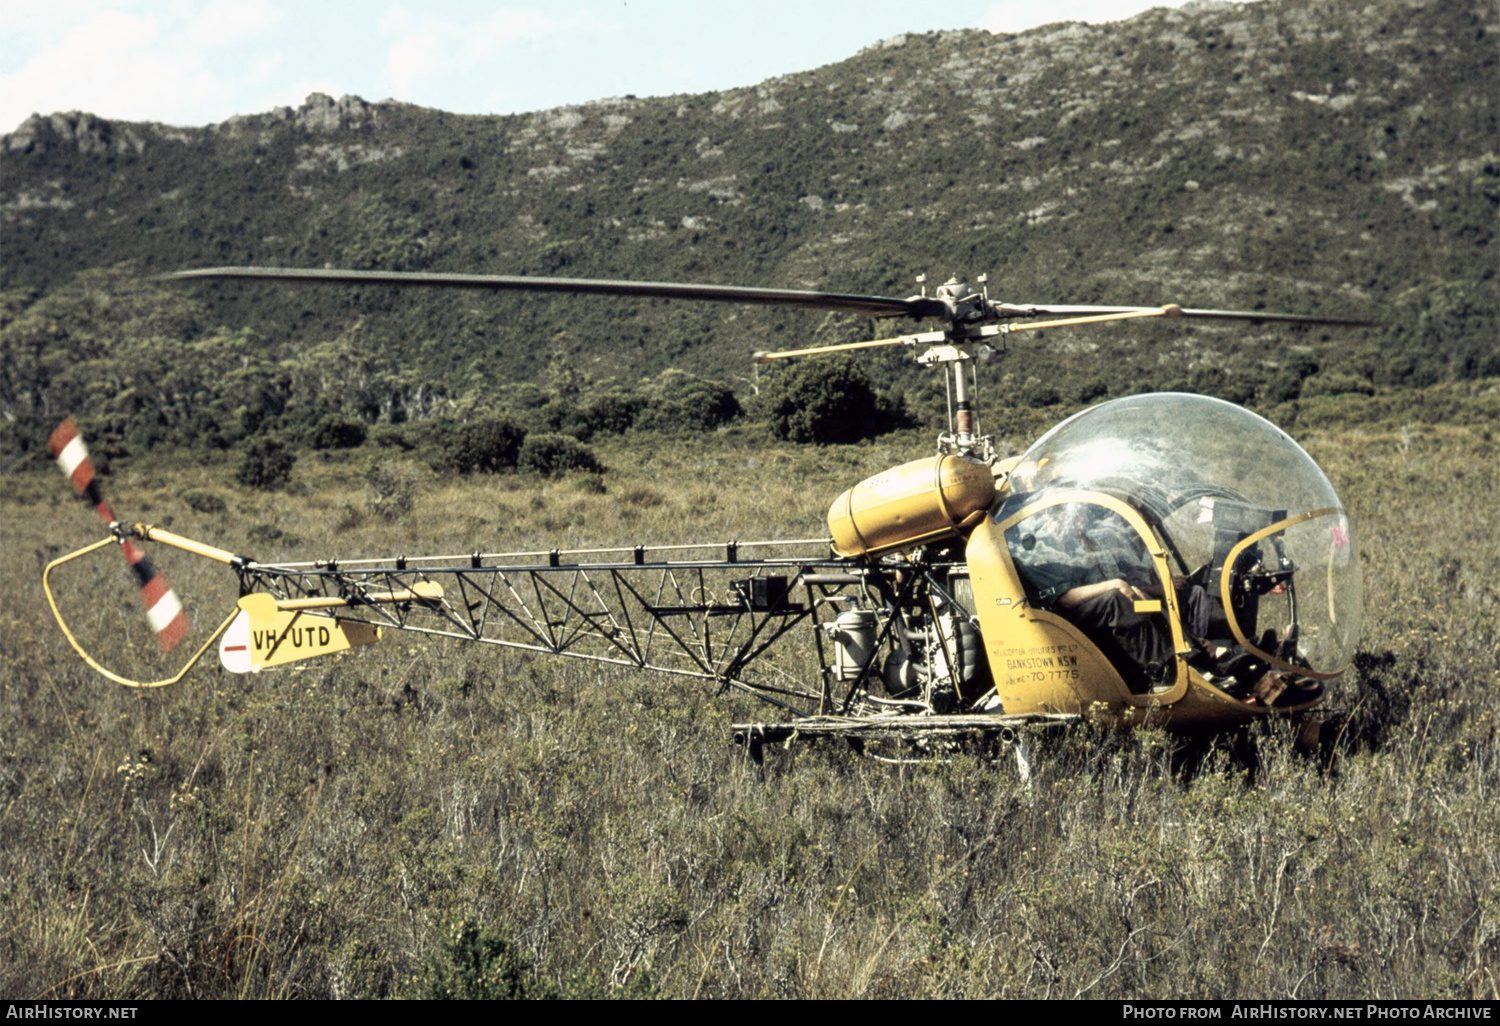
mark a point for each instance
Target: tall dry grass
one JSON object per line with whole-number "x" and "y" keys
{"x": 319, "y": 832}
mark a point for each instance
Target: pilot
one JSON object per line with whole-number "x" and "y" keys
{"x": 1091, "y": 567}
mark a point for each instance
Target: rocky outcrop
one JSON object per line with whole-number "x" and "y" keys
{"x": 322, "y": 113}
{"x": 73, "y": 130}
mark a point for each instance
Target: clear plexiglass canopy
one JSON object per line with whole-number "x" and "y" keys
{"x": 1241, "y": 509}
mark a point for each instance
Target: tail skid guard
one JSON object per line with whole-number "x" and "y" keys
{"x": 90, "y": 660}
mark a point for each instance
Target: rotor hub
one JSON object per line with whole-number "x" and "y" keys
{"x": 964, "y": 305}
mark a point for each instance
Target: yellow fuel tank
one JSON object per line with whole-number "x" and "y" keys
{"x": 910, "y": 505}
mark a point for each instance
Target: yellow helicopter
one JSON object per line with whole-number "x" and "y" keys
{"x": 1165, "y": 559}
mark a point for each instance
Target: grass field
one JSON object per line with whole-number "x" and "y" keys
{"x": 427, "y": 818}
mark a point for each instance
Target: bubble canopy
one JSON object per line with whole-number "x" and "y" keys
{"x": 1240, "y": 508}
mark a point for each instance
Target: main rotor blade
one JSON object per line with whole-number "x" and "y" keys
{"x": 1007, "y": 310}
{"x": 916, "y": 307}
{"x": 868, "y": 306}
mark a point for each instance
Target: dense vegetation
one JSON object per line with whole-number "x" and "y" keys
{"x": 1333, "y": 157}
{"x": 426, "y": 818}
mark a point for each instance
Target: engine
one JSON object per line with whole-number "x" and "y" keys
{"x": 921, "y": 648}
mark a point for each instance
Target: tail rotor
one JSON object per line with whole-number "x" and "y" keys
{"x": 164, "y": 612}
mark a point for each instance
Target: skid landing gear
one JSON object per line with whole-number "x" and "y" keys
{"x": 858, "y": 731}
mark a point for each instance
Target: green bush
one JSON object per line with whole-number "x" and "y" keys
{"x": 1092, "y": 391}
{"x": 1337, "y": 383}
{"x": 267, "y": 465}
{"x": 1441, "y": 331}
{"x": 1036, "y": 394}
{"x": 1286, "y": 384}
{"x": 264, "y": 533}
{"x": 337, "y": 433}
{"x": 487, "y": 445}
{"x": 388, "y": 492}
{"x": 678, "y": 401}
{"x": 405, "y": 436}
{"x": 828, "y": 402}
{"x": 606, "y": 413}
{"x": 1212, "y": 381}
{"x": 562, "y": 415}
{"x": 476, "y": 964}
{"x": 203, "y": 501}
{"x": 556, "y": 454}
{"x": 612, "y": 413}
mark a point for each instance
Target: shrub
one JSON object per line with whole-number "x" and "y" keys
{"x": 1286, "y": 384}
{"x": 477, "y": 964}
{"x": 644, "y": 498}
{"x": 264, "y": 533}
{"x": 388, "y": 492}
{"x": 1092, "y": 391}
{"x": 607, "y": 413}
{"x": 337, "y": 433}
{"x": 556, "y": 454}
{"x": 1036, "y": 394}
{"x": 562, "y": 416}
{"x": 406, "y": 436}
{"x": 1337, "y": 383}
{"x": 487, "y": 445}
{"x": 679, "y": 401}
{"x": 1214, "y": 382}
{"x": 612, "y": 413}
{"x": 203, "y": 501}
{"x": 828, "y": 402}
{"x": 267, "y": 465}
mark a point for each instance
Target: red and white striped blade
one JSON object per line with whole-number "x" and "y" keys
{"x": 163, "y": 610}
{"x": 67, "y": 448}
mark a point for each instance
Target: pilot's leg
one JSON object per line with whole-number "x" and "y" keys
{"x": 1142, "y": 636}
{"x": 1192, "y": 599}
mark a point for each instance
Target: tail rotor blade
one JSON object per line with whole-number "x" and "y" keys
{"x": 67, "y": 448}
{"x": 163, "y": 609}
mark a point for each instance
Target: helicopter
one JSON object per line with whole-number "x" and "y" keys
{"x": 1162, "y": 559}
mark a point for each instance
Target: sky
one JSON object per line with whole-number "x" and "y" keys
{"x": 195, "y": 62}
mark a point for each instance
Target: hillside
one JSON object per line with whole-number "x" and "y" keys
{"x": 427, "y": 818}
{"x": 1326, "y": 157}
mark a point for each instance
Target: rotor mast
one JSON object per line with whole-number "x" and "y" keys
{"x": 967, "y": 307}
